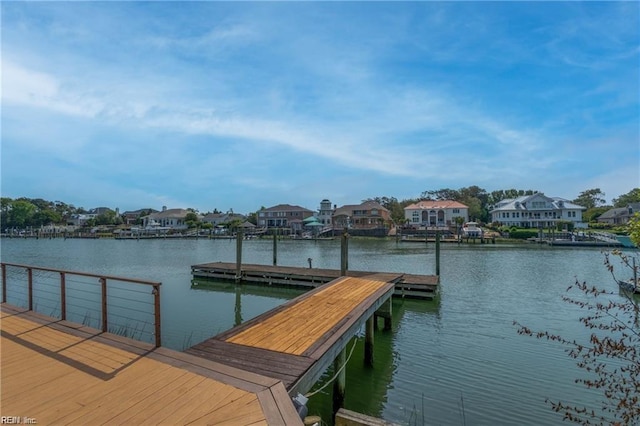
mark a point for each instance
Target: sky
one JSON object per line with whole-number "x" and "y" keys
{"x": 239, "y": 105}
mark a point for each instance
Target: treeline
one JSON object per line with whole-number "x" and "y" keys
{"x": 24, "y": 212}
{"x": 480, "y": 201}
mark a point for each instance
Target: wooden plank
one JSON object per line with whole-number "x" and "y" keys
{"x": 230, "y": 352}
{"x": 148, "y": 391}
{"x": 287, "y": 410}
{"x": 276, "y": 331}
{"x": 213, "y": 366}
{"x": 270, "y": 408}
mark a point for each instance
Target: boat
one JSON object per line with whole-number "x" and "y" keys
{"x": 471, "y": 230}
{"x": 629, "y": 286}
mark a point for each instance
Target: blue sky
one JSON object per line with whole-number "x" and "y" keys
{"x": 241, "y": 105}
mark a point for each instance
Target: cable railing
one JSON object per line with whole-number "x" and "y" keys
{"x": 105, "y": 302}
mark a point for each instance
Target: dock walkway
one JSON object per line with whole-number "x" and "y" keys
{"x": 296, "y": 341}
{"x": 406, "y": 285}
{"x": 54, "y": 372}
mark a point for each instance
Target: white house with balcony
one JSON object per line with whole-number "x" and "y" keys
{"x": 537, "y": 210}
{"x": 168, "y": 218}
{"x": 435, "y": 213}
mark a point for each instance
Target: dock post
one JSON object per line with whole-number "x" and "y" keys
{"x": 368, "y": 342}
{"x": 339, "y": 384}
{"x": 344, "y": 254}
{"x": 238, "y": 255}
{"x": 438, "y": 253}
{"x": 238, "y": 307}
{"x": 275, "y": 248}
{"x": 385, "y": 311}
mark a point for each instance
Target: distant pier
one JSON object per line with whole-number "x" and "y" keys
{"x": 406, "y": 285}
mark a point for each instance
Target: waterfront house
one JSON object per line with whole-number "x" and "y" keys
{"x": 283, "y": 216}
{"x": 168, "y": 218}
{"x": 219, "y": 219}
{"x": 80, "y": 219}
{"x": 537, "y": 210}
{"x": 619, "y": 216}
{"x": 131, "y": 217}
{"x": 367, "y": 215}
{"x": 435, "y": 213}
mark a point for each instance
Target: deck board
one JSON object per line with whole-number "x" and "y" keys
{"x": 58, "y": 377}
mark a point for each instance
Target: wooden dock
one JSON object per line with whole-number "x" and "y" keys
{"x": 297, "y": 341}
{"x": 56, "y": 372}
{"x": 406, "y": 285}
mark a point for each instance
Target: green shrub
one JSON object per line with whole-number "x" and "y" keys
{"x": 523, "y": 234}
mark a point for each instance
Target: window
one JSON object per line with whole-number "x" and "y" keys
{"x": 456, "y": 210}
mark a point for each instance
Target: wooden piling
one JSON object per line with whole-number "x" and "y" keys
{"x": 238, "y": 255}
{"x": 344, "y": 254}
{"x": 368, "y": 342}
{"x": 339, "y": 384}
{"x": 438, "y": 253}
{"x": 238, "y": 307}
{"x": 385, "y": 311}
{"x": 275, "y": 248}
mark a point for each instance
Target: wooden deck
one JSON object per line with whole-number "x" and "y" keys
{"x": 406, "y": 285}
{"x": 295, "y": 342}
{"x": 58, "y": 372}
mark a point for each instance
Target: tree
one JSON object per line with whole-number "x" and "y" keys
{"x": 624, "y": 200}
{"x": 611, "y": 356}
{"x": 633, "y": 227}
{"x": 590, "y": 198}
{"x": 396, "y": 209}
{"x": 21, "y": 213}
{"x": 191, "y": 219}
{"x": 592, "y": 214}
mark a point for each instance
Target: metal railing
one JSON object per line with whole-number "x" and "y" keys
{"x": 104, "y": 294}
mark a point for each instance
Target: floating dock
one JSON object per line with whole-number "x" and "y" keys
{"x": 405, "y": 285}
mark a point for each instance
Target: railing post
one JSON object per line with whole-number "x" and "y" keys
{"x": 105, "y": 324}
{"x": 156, "y": 299}
{"x": 30, "y": 287}
{"x": 63, "y": 297}
{"x": 4, "y": 283}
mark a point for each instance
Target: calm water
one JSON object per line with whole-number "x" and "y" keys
{"x": 455, "y": 361}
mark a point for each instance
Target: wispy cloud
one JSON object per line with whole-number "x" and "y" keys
{"x": 417, "y": 95}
